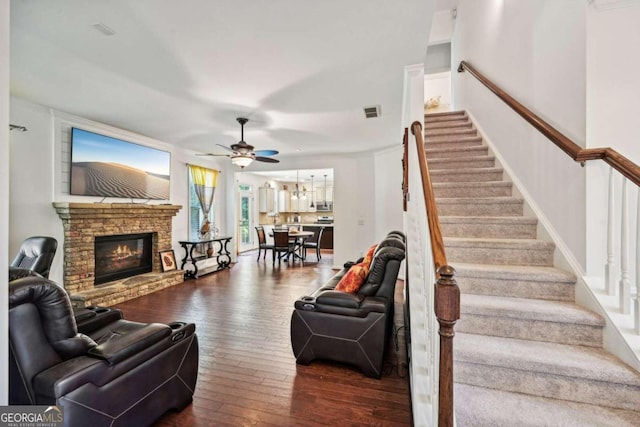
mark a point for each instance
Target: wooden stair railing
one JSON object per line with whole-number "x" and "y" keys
{"x": 616, "y": 160}
{"x": 447, "y": 293}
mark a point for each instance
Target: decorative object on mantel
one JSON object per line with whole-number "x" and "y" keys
{"x": 168, "y": 260}
{"x": 243, "y": 154}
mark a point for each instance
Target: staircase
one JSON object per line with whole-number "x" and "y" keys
{"x": 524, "y": 354}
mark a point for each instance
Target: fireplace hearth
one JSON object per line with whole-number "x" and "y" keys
{"x": 121, "y": 256}
{"x": 86, "y": 223}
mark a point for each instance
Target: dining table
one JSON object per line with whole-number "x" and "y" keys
{"x": 298, "y": 237}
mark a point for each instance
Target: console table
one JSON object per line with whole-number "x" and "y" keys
{"x": 223, "y": 256}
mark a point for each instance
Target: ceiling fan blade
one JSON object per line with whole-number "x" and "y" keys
{"x": 212, "y": 154}
{"x": 225, "y": 147}
{"x": 265, "y": 152}
{"x": 266, "y": 159}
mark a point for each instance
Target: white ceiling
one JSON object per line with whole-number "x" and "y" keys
{"x": 182, "y": 71}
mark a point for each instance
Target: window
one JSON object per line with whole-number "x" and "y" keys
{"x": 196, "y": 215}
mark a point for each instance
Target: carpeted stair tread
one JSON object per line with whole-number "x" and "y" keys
{"x": 453, "y": 140}
{"x": 450, "y": 132}
{"x": 472, "y": 189}
{"x": 447, "y": 152}
{"x": 545, "y": 358}
{"x": 461, "y": 162}
{"x": 497, "y": 243}
{"x": 514, "y": 272}
{"x": 517, "y": 220}
{"x": 480, "y": 206}
{"x": 529, "y": 309}
{"x": 469, "y": 175}
{"x": 512, "y": 227}
{"x": 483, "y": 407}
{"x": 431, "y": 117}
{"x": 448, "y": 124}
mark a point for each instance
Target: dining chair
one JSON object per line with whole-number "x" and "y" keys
{"x": 262, "y": 242}
{"x": 313, "y": 243}
{"x": 282, "y": 245}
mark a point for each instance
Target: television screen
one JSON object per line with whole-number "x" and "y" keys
{"x": 110, "y": 167}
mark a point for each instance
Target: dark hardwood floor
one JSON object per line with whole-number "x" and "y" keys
{"x": 247, "y": 374}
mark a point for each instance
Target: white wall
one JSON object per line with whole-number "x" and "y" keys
{"x": 535, "y": 50}
{"x": 388, "y": 191}
{"x": 438, "y": 85}
{"x": 354, "y": 199}
{"x": 613, "y": 86}
{"x": 4, "y": 199}
{"x": 35, "y": 180}
{"x": 441, "y": 27}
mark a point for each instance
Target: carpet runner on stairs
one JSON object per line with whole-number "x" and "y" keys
{"x": 524, "y": 354}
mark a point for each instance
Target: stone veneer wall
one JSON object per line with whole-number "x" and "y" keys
{"x": 84, "y": 221}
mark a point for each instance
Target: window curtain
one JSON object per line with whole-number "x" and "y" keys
{"x": 205, "y": 182}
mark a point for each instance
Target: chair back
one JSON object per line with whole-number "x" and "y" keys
{"x": 36, "y": 253}
{"x": 281, "y": 239}
{"x": 262, "y": 238}
{"x": 318, "y": 237}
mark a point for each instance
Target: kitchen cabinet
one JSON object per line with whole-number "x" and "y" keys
{"x": 284, "y": 201}
{"x": 320, "y": 194}
{"x": 266, "y": 199}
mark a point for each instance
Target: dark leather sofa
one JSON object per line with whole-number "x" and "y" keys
{"x": 346, "y": 327}
{"x": 116, "y": 373}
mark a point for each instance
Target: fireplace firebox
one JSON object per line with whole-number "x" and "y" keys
{"x": 121, "y": 256}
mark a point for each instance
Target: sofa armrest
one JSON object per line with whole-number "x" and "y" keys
{"x": 339, "y": 299}
{"x": 129, "y": 341}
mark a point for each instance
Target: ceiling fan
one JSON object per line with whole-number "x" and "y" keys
{"x": 242, "y": 154}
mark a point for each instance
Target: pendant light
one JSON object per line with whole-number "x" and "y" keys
{"x": 312, "y": 194}
{"x": 325, "y": 192}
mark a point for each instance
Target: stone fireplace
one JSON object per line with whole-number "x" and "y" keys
{"x": 91, "y": 226}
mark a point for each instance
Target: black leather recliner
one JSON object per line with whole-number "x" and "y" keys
{"x": 351, "y": 328}
{"x": 121, "y": 373}
{"x": 35, "y": 254}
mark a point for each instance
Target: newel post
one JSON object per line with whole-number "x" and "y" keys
{"x": 447, "y": 308}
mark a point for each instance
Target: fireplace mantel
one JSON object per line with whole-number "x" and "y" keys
{"x": 82, "y": 222}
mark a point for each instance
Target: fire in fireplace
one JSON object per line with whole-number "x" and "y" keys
{"x": 122, "y": 255}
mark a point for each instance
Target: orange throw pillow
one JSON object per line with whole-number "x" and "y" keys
{"x": 353, "y": 279}
{"x": 369, "y": 256}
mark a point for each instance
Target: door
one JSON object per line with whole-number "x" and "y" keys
{"x": 245, "y": 219}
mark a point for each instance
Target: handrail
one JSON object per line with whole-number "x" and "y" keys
{"x": 447, "y": 293}
{"x": 616, "y": 160}
{"x": 437, "y": 244}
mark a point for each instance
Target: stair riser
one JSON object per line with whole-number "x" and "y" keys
{"x": 547, "y": 385}
{"x": 461, "y": 164}
{"x": 535, "y": 330}
{"x": 461, "y": 176}
{"x": 488, "y": 231}
{"x": 456, "y": 152}
{"x": 477, "y": 208}
{"x": 508, "y": 256}
{"x": 450, "y": 132}
{"x": 553, "y": 291}
{"x": 461, "y": 190}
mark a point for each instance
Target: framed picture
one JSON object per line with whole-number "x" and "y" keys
{"x": 168, "y": 260}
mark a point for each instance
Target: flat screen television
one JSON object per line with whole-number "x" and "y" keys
{"x": 109, "y": 167}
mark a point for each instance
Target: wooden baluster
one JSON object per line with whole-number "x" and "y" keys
{"x": 636, "y": 299}
{"x": 447, "y": 308}
{"x": 609, "y": 271}
{"x": 625, "y": 286}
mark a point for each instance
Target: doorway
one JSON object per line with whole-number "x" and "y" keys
{"x": 245, "y": 219}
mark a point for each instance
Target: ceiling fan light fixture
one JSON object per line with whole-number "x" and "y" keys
{"x": 241, "y": 161}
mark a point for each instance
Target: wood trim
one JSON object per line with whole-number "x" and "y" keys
{"x": 616, "y": 160}
{"x": 405, "y": 169}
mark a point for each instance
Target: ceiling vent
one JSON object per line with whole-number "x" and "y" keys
{"x": 372, "y": 112}
{"x": 103, "y": 29}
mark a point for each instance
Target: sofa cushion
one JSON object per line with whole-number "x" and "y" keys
{"x": 354, "y": 278}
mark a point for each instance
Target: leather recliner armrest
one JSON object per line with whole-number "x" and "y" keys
{"x": 129, "y": 340}
{"x": 346, "y": 304}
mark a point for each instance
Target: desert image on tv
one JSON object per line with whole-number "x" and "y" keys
{"x": 116, "y": 180}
